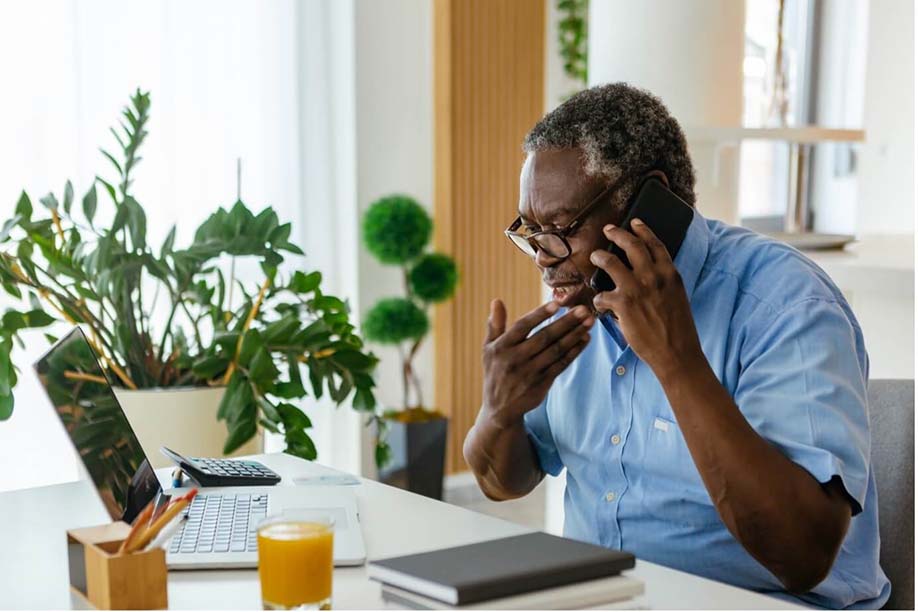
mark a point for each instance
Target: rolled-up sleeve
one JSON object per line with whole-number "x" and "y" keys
{"x": 539, "y": 431}
{"x": 803, "y": 387}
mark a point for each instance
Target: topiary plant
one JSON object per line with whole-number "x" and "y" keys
{"x": 396, "y": 229}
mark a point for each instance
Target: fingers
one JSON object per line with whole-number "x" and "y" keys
{"x": 497, "y": 321}
{"x": 654, "y": 244}
{"x": 633, "y": 246}
{"x": 519, "y": 330}
{"x": 607, "y": 302}
{"x": 560, "y": 347}
{"x": 573, "y": 321}
{"x": 614, "y": 267}
{"x": 558, "y": 366}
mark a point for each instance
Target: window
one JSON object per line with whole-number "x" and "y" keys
{"x": 825, "y": 46}
{"x": 764, "y": 165}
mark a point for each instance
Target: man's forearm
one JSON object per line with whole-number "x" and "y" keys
{"x": 775, "y": 508}
{"x": 502, "y": 458}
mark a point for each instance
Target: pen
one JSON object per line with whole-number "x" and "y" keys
{"x": 167, "y": 532}
{"x": 177, "y": 478}
{"x": 140, "y": 524}
{"x": 170, "y": 513}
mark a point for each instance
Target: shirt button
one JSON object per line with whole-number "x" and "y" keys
{"x": 620, "y": 370}
{"x": 615, "y": 439}
{"x": 610, "y": 496}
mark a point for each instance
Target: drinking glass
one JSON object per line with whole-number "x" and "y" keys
{"x": 296, "y": 561}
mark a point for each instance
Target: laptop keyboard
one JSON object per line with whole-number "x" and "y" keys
{"x": 221, "y": 523}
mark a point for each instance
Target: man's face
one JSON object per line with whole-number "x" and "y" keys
{"x": 553, "y": 189}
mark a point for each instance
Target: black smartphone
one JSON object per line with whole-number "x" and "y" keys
{"x": 666, "y": 214}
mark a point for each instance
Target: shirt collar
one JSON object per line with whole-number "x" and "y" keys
{"x": 693, "y": 252}
{"x": 689, "y": 262}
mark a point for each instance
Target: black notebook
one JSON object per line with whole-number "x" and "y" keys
{"x": 499, "y": 568}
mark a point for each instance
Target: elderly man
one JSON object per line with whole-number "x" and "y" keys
{"x": 714, "y": 420}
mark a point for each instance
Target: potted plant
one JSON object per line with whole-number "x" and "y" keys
{"x": 175, "y": 334}
{"x": 411, "y": 441}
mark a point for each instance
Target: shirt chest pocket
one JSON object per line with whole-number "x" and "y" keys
{"x": 672, "y": 487}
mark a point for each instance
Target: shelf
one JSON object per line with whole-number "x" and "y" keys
{"x": 883, "y": 264}
{"x": 803, "y": 134}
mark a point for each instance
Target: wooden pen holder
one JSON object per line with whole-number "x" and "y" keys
{"x": 111, "y": 581}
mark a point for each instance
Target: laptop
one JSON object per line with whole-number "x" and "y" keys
{"x": 220, "y": 530}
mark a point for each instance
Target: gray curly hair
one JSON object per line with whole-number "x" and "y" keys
{"x": 622, "y": 131}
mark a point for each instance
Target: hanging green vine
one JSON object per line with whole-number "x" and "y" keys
{"x": 572, "y": 37}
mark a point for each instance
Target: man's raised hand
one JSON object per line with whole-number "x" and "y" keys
{"x": 519, "y": 367}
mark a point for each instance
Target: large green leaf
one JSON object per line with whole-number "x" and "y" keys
{"x": 251, "y": 343}
{"x": 8, "y": 227}
{"x": 264, "y": 224}
{"x": 364, "y": 400}
{"x": 226, "y": 340}
{"x": 6, "y": 367}
{"x": 280, "y": 234}
{"x": 168, "y": 243}
{"x": 281, "y": 331}
{"x": 269, "y": 410}
{"x": 89, "y": 204}
{"x": 208, "y": 367}
{"x": 24, "y": 207}
{"x": 353, "y": 360}
{"x": 136, "y": 222}
{"x": 293, "y": 417}
{"x": 68, "y": 197}
{"x": 300, "y": 444}
{"x": 239, "y": 400}
{"x": 289, "y": 389}
{"x": 6, "y": 406}
{"x": 50, "y": 201}
{"x": 262, "y": 370}
{"x": 13, "y": 321}
{"x": 305, "y": 283}
{"x": 240, "y": 432}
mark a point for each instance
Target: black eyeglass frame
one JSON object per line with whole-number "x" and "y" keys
{"x": 561, "y": 233}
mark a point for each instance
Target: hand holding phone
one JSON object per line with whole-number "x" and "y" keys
{"x": 665, "y": 213}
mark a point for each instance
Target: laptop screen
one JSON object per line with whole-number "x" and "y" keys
{"x": 84, "y": 401}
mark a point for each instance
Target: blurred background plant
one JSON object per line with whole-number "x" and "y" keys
{"x": 572, "y": 37}
{"x": 396, "y": 230}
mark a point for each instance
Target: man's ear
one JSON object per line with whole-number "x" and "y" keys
{"x": 660, "y": 175}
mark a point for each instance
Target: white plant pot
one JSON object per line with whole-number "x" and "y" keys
{"x": 183, "y": 419}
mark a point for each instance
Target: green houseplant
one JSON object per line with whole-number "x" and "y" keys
{"x": 573, "y": 39}
{"x": 168, "y": 316}
{"x": 412, "y": 439}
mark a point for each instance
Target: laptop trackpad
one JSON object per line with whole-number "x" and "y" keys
{"x": 339, "y": 515}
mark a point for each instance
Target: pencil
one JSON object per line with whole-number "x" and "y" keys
{"x": 139, "y": 525}
{"x": 168, "y": 514}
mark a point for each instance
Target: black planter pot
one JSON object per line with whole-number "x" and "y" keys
{"x": 418, "y": 456}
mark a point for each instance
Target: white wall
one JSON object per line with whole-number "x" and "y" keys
{"x": 690, "y": 54}
{"x": 841, "y": 69}
{"x": 886, "y": 160}
{"x": 394, "y": 119}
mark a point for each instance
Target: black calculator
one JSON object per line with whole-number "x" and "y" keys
{"x": 223, "y": 472}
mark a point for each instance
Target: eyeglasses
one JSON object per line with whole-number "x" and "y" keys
{"x": 554, "y": 242}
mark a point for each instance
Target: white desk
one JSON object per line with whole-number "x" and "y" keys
{"x": 33, "y": 563}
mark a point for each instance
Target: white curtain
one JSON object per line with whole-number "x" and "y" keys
{"x": 228, "y": 79}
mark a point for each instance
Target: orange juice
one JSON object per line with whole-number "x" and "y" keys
{"x": 295, "y": 562}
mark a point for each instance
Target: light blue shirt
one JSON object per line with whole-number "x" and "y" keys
{"x": 784, "y": 343}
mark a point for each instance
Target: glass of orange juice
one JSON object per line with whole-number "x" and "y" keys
{"x": 295, "y": 560}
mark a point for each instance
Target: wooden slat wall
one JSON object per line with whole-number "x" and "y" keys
{"x": 489, "y": 91}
